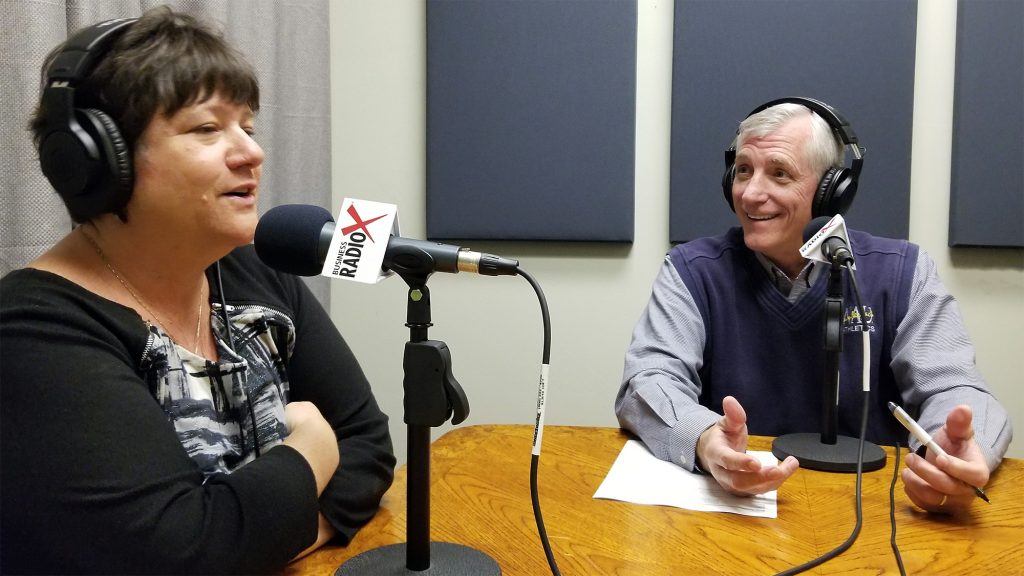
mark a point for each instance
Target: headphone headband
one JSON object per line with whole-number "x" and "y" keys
{"x": 837, "y": 186}
{"x": 82, "y": 50}
{"x": 829, "y": 114}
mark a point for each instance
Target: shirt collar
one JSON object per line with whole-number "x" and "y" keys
{"x": 783, "y": 282}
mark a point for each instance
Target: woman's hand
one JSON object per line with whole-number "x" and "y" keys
{"x": 311, "y": 435}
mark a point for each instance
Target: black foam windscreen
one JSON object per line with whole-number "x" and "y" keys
{"x": 814, "y": 225}
{"x": 288, "y": 238}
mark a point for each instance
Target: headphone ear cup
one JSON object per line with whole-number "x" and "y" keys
{"x": 819, "y": 207}
{"x": 843, "y": 191}
{"x": 71, "y": 160}
{"x": 727, "y": 178}
{"x": 114, "y": 184}
{"x": 835, "y": 192}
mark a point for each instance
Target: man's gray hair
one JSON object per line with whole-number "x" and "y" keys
{"x": 824, "y": 149}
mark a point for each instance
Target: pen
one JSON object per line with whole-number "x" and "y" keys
{"x": 926, "y": 439}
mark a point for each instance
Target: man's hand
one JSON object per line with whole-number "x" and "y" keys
{"x": 940, "y": 483}
{"x": 721, "y": 450}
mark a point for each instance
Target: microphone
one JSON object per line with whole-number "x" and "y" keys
{"x": 295, "y": 238}
{"x": 836, "y": 246}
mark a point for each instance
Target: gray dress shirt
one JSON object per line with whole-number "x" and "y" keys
{"x": 932, "y": 360}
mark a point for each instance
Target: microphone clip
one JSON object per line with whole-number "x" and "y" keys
{"x": 432, "y": 394}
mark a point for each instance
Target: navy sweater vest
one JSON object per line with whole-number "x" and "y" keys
{"x": 768, "y": 353}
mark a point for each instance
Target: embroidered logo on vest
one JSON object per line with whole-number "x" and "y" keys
{"x": 851, "y": 319}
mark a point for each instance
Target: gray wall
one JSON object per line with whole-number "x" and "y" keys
{"x": 596, "y": 292}
{"x": 530, "y": 115}
{"x": 721, "y": 71}
{"x": 286, "y": 44}
{"x": 987, "y": 188}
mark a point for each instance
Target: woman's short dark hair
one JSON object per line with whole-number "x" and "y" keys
{"x": 162, "y": 63}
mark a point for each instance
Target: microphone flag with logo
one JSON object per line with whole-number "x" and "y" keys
{"x": 360, "y": 241}
{"x": 819, "y": 232}
{"x": 363, "y": 246}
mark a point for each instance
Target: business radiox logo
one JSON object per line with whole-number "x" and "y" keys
{"x": 360, "y": 241}
{"x": 355, "y": 236}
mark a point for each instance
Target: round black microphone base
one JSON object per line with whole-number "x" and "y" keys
{"x": 838, "y": 457}
{"x": 446, "y": 559}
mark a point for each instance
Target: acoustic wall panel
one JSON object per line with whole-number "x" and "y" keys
{"x": 987, "y": 180}
{"x": 730, "y": 57}
{"x": 530, "y": 119}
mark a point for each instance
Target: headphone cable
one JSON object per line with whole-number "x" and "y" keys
{"x": 224, "y": 306}
{"x": 231, "y": 344}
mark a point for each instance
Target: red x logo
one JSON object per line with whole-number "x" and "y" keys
{"x": 360, "y": 224}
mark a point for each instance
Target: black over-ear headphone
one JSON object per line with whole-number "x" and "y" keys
{"x": 81, "y": 150}
{"x": 837, "y": 186}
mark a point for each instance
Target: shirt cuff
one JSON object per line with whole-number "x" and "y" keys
{"x": 682, "y": 441}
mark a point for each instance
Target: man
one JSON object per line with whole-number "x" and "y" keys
{"x": 738, "y": 318}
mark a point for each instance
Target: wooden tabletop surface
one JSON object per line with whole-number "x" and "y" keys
{"x": 480, "y": 497}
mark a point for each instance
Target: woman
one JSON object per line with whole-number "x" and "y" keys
{"x": 169, "y": 404}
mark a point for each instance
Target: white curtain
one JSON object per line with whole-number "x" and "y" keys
{"x": 287, "y": 43}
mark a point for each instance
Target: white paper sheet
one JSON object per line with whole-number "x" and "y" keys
{"x": 638, "y": 476}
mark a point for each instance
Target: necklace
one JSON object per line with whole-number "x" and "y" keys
{"x": 137, "y": 298}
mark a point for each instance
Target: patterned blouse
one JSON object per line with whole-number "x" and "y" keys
{"x": 227, "y": 412}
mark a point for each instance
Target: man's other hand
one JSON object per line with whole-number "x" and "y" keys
{"x": 943, "y": 483}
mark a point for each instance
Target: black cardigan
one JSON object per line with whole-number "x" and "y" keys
{"x": 94, "y": 478}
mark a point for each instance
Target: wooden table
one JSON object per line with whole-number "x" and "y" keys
{"x": 481, "y": 498}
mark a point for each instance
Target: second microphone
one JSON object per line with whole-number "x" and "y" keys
{"x": 295, "y": 238}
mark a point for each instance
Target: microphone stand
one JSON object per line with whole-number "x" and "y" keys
{"x": 432, "y": 395}
{"x": 829, "y": 451}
